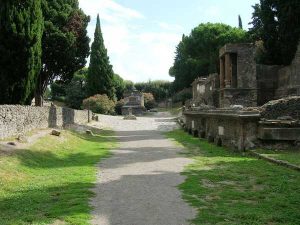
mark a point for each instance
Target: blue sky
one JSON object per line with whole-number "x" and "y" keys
{"x": 141, "y": 35}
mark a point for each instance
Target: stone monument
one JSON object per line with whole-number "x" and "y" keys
{"x": 134, "y": 103}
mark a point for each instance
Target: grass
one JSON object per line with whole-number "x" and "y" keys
{"x": 228, "y": 188}
{"x": 292, "y": 157}
{"x": 51, "y": 180}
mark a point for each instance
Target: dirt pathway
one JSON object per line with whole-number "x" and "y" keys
{"x": 137, "y": 185}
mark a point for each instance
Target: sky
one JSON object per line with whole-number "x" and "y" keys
{"x": 141, "y": 35}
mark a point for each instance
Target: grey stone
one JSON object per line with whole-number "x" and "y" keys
{"x": 55, "y": 133}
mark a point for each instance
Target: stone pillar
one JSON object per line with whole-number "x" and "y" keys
{"x": 222, "y": 73}
{"x": 227, "y": 70}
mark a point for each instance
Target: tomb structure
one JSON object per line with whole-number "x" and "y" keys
{"x": 134, "y": 103}
{"x": 247, "y": 104}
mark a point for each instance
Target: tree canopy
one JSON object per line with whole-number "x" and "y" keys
{"x": 21, "y": 25}
{"x": 100, "y": 74}
{"x": 65, "y": 42}
{"x": 277, "y": 24}
{"x": 198, "y": 54}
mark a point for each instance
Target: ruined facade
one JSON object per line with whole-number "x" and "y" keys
{"x": 134, "y": 100}
{"x": 236, "y": 107}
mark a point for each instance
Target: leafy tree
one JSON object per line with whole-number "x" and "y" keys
{"x": 129, "y": 85}
{"x": 277, "y": 24}
{"x": 21, "y": 26}
{"x": 58, "y": 91}
{"x": 65, "y": 43}
{"x": 149, "y": 101}
{"x": 240, "y": 22}
{"x": 159, "y": 88}
{"x": 76, "y": 89}
{"x": 99, "y": 104}
{"x": 198, "y": 54}
{"x": 100, "y": 74}
{"x": 119, "y": 86}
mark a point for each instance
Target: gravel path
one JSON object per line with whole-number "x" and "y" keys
{"x": 137, "y": 185}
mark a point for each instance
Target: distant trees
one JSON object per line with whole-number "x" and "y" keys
{"x": 277, "y": 24}
{"x": 159, "y": 88}
{"x": 100, "y": 73}
{"x": 198, "y": 54}
{"x": 76, "y": 89}
{"x": 21, "y": 27}
{"x": 119, "y": 86}
{"x": 65, "y": 43}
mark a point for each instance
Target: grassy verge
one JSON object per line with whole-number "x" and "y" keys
{"x": 228, "y": 188}
{"x": 292, "y": 157}
{"x": 51, "y": 180}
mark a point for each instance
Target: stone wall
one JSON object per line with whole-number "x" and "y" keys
{"x": 15, "y": 119}
{"x": 228, "y": 128}
{"x": 277, "y": 109}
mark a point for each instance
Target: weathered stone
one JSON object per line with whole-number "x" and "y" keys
{"x": 55, "y": 133}
{"x": 134, "y": 101}
{"x": 22, "y": 138}
{"x": 89, "y": 132}
{"x": 130, "y": 117}
{"x": 285, "y": 107}
{"x": 16, "y": 119}
{"x": 12, "y": 143}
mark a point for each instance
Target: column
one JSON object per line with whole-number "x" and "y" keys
{"x": 227, "y": 70}
{"x": 222, "y": 73}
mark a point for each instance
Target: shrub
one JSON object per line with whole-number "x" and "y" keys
{"x": 99, "y": 104}
{"x": 149, "y": 101}
{"x": 118, "y": 107}
{"x": 183, "y": 95}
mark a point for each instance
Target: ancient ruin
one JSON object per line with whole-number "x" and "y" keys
{"x": 246, "y": 104}
{"x": 134, "y": 102}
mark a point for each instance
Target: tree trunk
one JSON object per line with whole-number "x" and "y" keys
{"x": 38, "y": 95}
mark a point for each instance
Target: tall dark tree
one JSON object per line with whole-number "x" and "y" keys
{"x": 277, "y": 24}
{"x": 240, "y": 22}
{"x": 65, "y": 43}
{"x": 198, "y": 54}
{"x": 100, "y": 74}
{"x": 21, "y": 25}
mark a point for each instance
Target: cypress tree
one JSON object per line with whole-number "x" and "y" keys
{"x": 240, "y": 22}
{"x": 21, "y": 25}
{"x": 100, "y": 73}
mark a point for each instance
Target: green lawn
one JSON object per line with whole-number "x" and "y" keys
{"x": 292, "y": 157}
{"x": 232, "y": 189}
{"x": 51, "y": 180}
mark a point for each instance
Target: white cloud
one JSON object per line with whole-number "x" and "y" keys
{"x": 135, "y": 53}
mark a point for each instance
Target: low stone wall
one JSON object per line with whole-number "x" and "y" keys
{"x": 16, "y": 119}
{"x": 233, "y": 129}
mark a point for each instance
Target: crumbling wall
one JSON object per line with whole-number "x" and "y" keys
{"x": 282, "y": 108}
{"x": 224, "y": 127}
{"x": 16, "y": 119}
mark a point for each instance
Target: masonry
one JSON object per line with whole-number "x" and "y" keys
{"x": 16, "y": 119}
{"x": 246, "y": 105}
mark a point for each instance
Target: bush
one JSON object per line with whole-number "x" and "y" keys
{"x": 99, "y": 104}
{"x": 118, "y": 107}
{"x": 149, "y": 101}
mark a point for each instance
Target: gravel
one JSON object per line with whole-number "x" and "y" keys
{"x": 138, "y": 184}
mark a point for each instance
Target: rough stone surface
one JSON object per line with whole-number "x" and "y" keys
{"x": 138, "y": 184}
{"x": 281, "y": 108}
{"x": 55, "y": 133}
{"x": 16, "y": 119}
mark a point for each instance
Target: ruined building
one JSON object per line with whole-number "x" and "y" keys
{"x": 134, "y": 102}
{"x": 235, "y": 108}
